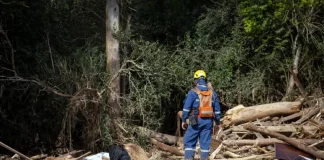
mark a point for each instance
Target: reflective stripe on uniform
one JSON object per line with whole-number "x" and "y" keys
{"x": 190, "y": 149}
{"x": 186, "y": 110}
{"x": 206, "y": 112}
{"x": 217, "y": 112}
{"x": 204, "y": 150}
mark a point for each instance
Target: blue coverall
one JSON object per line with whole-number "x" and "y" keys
{"x": 205, "y": 125}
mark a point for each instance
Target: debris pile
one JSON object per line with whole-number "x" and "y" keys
{"x": 283, "y": 130}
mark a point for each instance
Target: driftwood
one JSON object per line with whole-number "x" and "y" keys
{"x": 164, "y": 138}
{"x": 310, "y": 114}
{"x": 254, "y": 157}
{"x": 286, "y": 139}
{"x": 291, "y": 117}
{"x": 280, "y": 129}
{"x": 83, "y": 155}
{"x": 14, "y": 151}
{"x": 230, "y": 154}
{"x": 71, "y": 153}
{"x": 241, "y": 114}
{"x": 135, "y": 152}
{"x": 244, "y": 148}
{"x": 212, "y": 156}
{"x": 167, "y": 148}
{"x": 263, "y": 142}
{"x": 41, "y": 156}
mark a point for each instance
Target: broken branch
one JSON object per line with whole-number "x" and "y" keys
{"x": 286, "y": 139}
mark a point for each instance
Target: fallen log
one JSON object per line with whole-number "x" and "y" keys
{"x": 286, "y": 139}
{"x": 83, "y": 155}
{"x": 280, "y": 129}
{"x": 283, "y": 129}
{"x": 307, "y": 116}
{"x": 14, "y": 151}
{"x": 263, "y": 142}
{"x": 41, "y": 156}
{"x": 241, "y": 114}
{"x": 231, "y": 154}
{"x": 164, "y": 138}
{"x": 167, "y": 148}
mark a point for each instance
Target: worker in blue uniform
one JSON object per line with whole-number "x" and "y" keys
{"x": 199, "y": 126}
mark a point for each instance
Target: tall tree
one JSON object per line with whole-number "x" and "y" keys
{"x": 113, "y": 57}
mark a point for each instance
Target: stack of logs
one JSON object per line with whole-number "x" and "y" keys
{"x": 257, "y": 132}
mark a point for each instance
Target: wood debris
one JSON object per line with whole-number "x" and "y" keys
{"x": 252, "y": 132}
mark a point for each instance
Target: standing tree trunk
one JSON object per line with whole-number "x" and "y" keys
{"x": 113, "y": 58}
{"x": 113, "y": 66}
{"x": 296, "y": 51}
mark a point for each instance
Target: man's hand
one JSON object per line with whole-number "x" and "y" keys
{"x": 184, "y": 125}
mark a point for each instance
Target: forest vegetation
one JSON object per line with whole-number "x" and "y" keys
{"x": 85, "y": 73}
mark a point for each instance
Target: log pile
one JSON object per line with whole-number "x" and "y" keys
{"x": 260, "y": 132}
{"x": 283, "y": 130}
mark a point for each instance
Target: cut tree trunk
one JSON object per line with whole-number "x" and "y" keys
{"x": 241, "y": 114}
{"x": 286, "y": 139}
{"x": 167, "y": 148}
{"x": 164, "y": 138}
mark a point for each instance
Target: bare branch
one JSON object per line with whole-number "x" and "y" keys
{"x": 48, "y": 88}
{"x": 11, "y": 49}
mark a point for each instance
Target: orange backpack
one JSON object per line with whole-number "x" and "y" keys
{"x": 205, "y": 107}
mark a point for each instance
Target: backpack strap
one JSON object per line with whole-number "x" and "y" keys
{"x": 196, "y": 90}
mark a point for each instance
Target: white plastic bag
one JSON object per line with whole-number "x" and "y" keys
{"x": 98, "y": 156}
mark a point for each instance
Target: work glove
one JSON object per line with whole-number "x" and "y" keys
{"x": 184, "y": 125}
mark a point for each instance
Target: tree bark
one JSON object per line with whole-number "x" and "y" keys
{"x": 286, "y": 139}
{"x": 241, "y": 114}
{"x": 113, "y": 57}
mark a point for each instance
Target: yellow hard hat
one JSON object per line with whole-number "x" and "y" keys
{"x": 200, "y": 73}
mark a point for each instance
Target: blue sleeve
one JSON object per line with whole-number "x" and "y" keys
{"x": 188, "y": 104}
{"x": 216, "y": 106}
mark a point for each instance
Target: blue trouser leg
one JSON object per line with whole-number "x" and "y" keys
{"x": 190, "y": 140}
{"x": 205, "y": 137}
{"x": 203, "y": 130}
